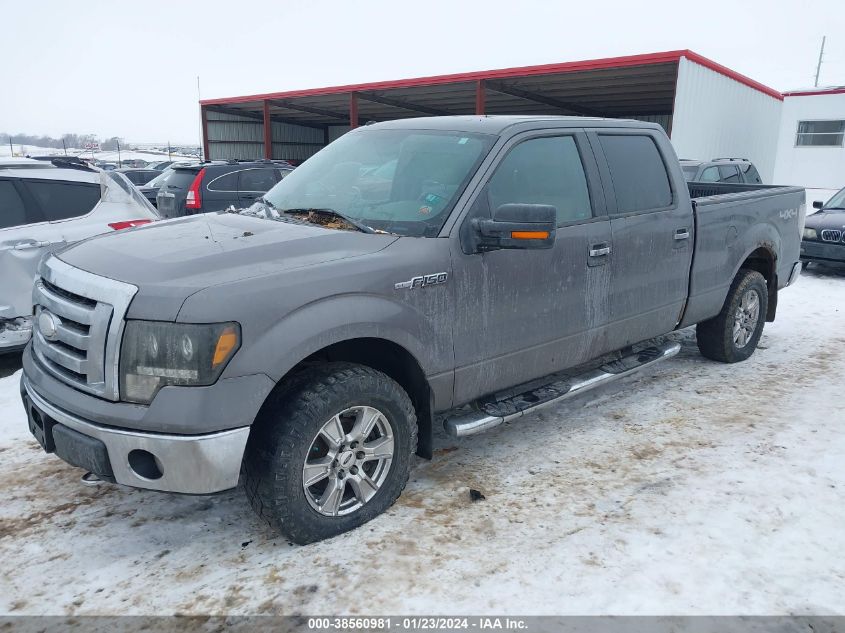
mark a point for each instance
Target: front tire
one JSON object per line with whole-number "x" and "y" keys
{"x": 733, "y": 334}
{"x": 329, "y": 451}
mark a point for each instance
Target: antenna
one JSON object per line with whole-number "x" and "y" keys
{"x": 819, "y": 66}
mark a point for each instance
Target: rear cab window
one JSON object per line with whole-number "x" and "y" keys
{"x": 640, "y": 179}
{"x": 63, "y": 200}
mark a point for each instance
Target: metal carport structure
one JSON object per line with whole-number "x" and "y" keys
{"x": 296, "y": 124}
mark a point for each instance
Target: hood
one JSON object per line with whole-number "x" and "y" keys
{"x": 833, "y": 219}
{"x": 171, "y": 260}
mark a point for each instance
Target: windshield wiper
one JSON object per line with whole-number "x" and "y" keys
{"x": 350, "y": 220}
{"x": 832, "y": 209}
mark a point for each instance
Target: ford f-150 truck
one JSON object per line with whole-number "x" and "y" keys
{"x": 459, "y": 269}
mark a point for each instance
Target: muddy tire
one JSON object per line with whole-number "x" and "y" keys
{"x": 732, "y": 335}
{"x": 330, "y": 450}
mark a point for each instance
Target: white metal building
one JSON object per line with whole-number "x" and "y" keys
{"x": 810, "y": 148}
{"x": 708, "y": 110}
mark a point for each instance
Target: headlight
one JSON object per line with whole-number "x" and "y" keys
{"x": 155, "y": 354}
{"x": 810, "y": 234}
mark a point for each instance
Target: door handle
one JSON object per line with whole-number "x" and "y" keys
{"x": 22, "y": 246}
{"x": 598, "y": 250}
{"x": 682, "y": 234}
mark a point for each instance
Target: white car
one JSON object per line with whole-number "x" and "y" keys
{"x": 44, "y": 207}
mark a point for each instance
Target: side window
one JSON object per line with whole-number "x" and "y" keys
{"x": 257, "y": 180}
{"x": 639, "y": 175}
{"x": 728, "y": 173}
{"x": 12, "y": 209}
{"x": 227, "y": 182}
{"x": 63, "y": 200}
{"x": 751, "y": 173}
{"x": 711, "y": 174}
{"x": 543, "y": 171}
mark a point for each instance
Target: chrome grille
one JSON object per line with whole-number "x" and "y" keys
{"x": 78, "y": 325}
{"x": 831, "y": 235}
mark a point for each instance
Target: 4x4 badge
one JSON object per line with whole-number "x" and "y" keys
{"x": 423, "y": 280}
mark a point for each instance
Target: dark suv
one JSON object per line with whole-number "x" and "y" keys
{"x": 732, "y": 170}
{"x": 216, "y": 185}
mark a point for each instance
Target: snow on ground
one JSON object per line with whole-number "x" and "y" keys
{"x": 695, "y": 488}
{"x": 108, "y": 156}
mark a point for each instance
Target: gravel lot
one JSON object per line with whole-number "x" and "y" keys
{"x": 694, "y": 488}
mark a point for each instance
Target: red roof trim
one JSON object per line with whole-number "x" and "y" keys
{"x": 524, "y": 71}
{"x": 810, "y": 93}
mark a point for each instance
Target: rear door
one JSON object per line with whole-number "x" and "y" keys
{"x": 652, "y": 233}
{"x": 20, "y": 250}
{"x": 527, "y": 313}
{"x": 254, "y": 183}
{"x": 36, "y": 217}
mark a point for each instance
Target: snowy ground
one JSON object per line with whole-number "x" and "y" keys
{"x": 695, "y": 488}
{"x": 107, "y": 156}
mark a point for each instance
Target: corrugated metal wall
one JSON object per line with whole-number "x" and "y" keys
{"x": 716, "y": 116}
{"x": 237, "y": 137}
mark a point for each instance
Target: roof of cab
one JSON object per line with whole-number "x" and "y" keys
{"x": 497, "y": 124}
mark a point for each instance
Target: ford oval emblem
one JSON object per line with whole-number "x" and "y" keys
{"x": 48, "y": 325}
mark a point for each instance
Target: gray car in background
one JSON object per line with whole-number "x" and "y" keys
{"x": 727, "y": 170}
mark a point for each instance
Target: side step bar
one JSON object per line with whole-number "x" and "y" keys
{"x": 495, "y": 412}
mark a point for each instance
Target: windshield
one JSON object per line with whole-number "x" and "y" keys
{"x": 689, "y": 171}
{"x": 401, "y": 181}
{"x": 837, "y": 201}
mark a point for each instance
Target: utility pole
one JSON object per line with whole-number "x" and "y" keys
{"x": 819, "y": 65}
{"x": 199, "y": 98}
{"x": 169, "y": 157}
{"x": 11, "y": 148}
{"x": 64, "y": 147}
{"x": 119, "y": 164}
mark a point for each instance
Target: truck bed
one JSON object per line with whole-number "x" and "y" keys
{"x": 731, "y": 222}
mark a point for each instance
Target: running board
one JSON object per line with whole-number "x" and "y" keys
{"x": 492, "y": 413}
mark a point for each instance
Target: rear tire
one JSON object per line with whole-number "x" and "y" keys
{"x": 733, "y": 334}
{"x": 349, "y": 429}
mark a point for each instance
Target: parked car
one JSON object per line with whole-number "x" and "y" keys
{"x": 214, "y": 186}
{"x": 308, "y": 341}
{"x": 43, "y": 210}
{"x": 139, "y": 177}
{"x": 150, "y": 190}
{"x": 824, "y": 232}
{"x": 730, "y": 170}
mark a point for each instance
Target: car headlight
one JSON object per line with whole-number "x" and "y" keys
{"x": 810, "y": 234}
{"x": 155, "y": 354}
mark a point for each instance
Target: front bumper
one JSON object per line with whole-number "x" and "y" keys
{"x": 193, "y": 464}
{"x": 822, "y": 251}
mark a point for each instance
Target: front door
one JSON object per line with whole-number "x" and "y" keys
{"x": 522, "y": 314}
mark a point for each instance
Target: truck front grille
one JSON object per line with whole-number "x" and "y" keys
{"x": 78, "y": 324}
{"x": 831, "y": 235}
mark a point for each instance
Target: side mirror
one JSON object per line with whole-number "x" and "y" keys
{"x": 516, "y": 226}
{"x": 818, "y": 204}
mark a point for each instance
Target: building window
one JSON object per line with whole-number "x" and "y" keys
{"x": 820, "y": 133}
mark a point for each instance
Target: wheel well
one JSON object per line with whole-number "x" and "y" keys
{"x": 396, "y": 362}
{"x": 764, "y": 262}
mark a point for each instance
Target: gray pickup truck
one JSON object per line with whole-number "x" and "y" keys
{"x": 459, "y": 269}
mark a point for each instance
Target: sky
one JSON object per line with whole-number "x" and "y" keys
{"x": 130, "y": 69}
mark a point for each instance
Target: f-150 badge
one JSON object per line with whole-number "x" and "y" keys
{"x": 422, "y": 281}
